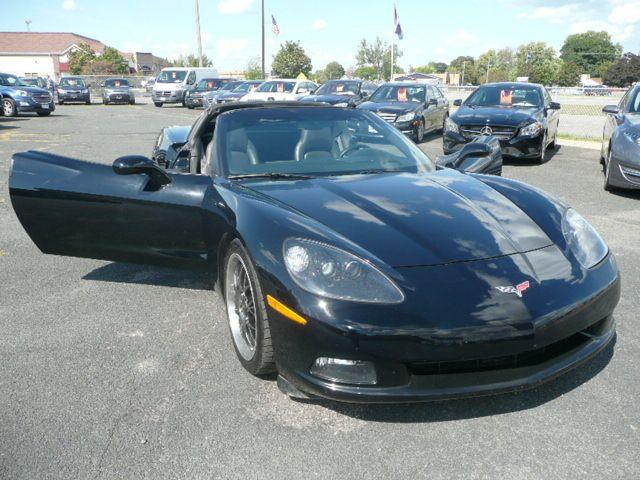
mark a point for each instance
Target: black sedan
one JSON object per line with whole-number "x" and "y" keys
{"x": 73, "y": 89}
{"x": 238, "y": 92}
{"x": 521, "y": 115}
{"x": 413, "y": 108}
{"x": 342, "y": 93}
{"x": 620, "y": 152}
{"x": 348, "y": 262}
{"x": 195, "y": 97}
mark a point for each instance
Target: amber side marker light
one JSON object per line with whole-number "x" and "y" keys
{"x": 286, "y": 311}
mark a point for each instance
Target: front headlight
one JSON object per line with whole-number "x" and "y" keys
{"x": 62, "y": 90}
{"x": 584, "y": 241}
{"x": 451, "y": 126}
{"x": 22, "y": 93}
{"x": 532, "y": 130}
{"x": 329, "y": 272}
{"x": 406, "y": 117}
{"x": 341, "y": 104}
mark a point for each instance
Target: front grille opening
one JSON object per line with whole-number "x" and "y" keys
{"x": 524, "y": 359}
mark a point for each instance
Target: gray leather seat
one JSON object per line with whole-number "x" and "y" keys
{"x": 241, "y": 152}
{"x": 315, "y": 145}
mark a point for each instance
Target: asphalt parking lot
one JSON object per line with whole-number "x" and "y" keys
{"x": 111, "y": 370}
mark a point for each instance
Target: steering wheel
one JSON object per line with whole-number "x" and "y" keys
{"x": 351, "y": 149}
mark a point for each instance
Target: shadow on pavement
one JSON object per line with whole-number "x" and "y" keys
{"x": 146, "y": 275}
{"x": 450, "y": 410}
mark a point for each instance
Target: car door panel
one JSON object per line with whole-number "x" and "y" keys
{"x": 84, "y": 209}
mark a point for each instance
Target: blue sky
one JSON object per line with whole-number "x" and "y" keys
{"x": 328, "y": 29}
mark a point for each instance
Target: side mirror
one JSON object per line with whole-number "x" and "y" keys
{"x": 102, "y": 84}
{"x": 365, "y": 94}
{"x": 483, "y": 155}
{"x": 432, "y": 101}
{"x": 132, "y": 164}
{"x": 457, "y": 102}
{"x": 554, "y": 106}
{"x": 611, "y": 110}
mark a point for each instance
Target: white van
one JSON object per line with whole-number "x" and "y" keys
{"x": 173, "y": 82}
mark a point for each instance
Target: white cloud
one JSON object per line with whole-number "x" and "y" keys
{"x": 319, "y": 24}
{"x": 462, "y": 38}
{"x": 69, "y": 5}
{"x": 234, "y": 7}
{"x": 618, "y": 33}
{"x": 551, "y": 14}
{"x": 227, "y": 46}
{"x": 627, "y": 13}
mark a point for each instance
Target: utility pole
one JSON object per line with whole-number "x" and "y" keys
{"x": 198, "y": 32}
{"x": 28, "y": 24}
{"x": 464, "y": 66}
{"x": 488, "y": 67}
{"x": 391, "y": 77}
{"x": 264, "y": 76}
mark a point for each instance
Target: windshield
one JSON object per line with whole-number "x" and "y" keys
{"x": 395, "y": 93}
{"x": 171, "y": 76}
{"x": 246, "y": 87}
{"x": 338, "y": 87}
{"x": 33, "y": 82}
{"x": 8, "y": 80}
{"x": 634, "y": 105}
{"x": 116, "y": 83}
{"x": 313, "y": 141}
{"x": 210, "y": 84}
{"x": 72, "y": 82}
{"x": 505, "y": 96}
{"x": 229, "y": 86}
{"x": 276, "y": 87}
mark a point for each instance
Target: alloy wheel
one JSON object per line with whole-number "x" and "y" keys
{"x": 8, "y": 108}
{"x": 241, "y": 306}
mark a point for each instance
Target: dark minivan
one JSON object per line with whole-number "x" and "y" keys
{"x": 521, "y": 115}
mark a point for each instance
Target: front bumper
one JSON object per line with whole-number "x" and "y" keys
{"x": 421, "y": 364}
{"x": 625, "y": 167}
{"x": 516, "y": 147}
{"x": 74, "y": 97}
{"x": 167, "y": 96}
{"x": 118, "y": 97}
{"x": 193, "y": 101}
{"x": 28, "y": 104}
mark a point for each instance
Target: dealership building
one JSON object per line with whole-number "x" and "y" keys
{"x": 41, "y": 54}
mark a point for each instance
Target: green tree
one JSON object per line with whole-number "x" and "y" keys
{"x": 290, "y": 61}
{"x": 377, "y": 54}
{"x": 568, "y": 74}
{"x": 333, "y": 70}
{"x": 592, "y": 51}
{"x": 496, "y": 66}
{"x": 80, "y": 58}
{"x": 191, "y": 60}
{"x": 466, "y": 65}
{"x": 624, "y": 71}
{"x": 538, "y": 61}
{"x": 428, "y": 68}
{"x": 439, "y": 67}
{"x": 253, "y": 69}
{"x": 366, "y": 72}
{"x": 118, "y": 63}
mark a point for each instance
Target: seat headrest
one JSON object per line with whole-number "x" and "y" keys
{"x": 237, "y": 140}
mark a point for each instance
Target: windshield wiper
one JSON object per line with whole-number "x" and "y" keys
{"x": 272, "y": 176}
{"x": 378, "y": 171}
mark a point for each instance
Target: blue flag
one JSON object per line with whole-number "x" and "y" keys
{"x": 396, "y": 21}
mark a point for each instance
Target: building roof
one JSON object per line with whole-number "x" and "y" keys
{"x": 44, "y": 42}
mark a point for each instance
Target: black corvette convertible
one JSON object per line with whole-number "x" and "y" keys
{"x": 349, "y": 263}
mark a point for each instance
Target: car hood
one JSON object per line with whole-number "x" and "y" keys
{"x": 29, "y": 89}
{"x": 509, "y": 116}
{"x": 330, "y": 99}
{"x": 269, "y": 96}
{"x": 408, "y": 219}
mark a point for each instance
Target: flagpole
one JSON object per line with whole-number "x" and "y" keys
{"x": 392, "y": 42}
{"x": 199, "y": 34}
{"x": 263, "y": 57}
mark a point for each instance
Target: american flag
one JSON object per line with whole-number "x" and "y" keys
{"x": 396, "y": 21}
{"x": 274, "y": 26}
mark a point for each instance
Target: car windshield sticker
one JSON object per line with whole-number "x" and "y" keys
{"x": 402, "y": 94}
{"x": 506, "y": 97}
{"x": 210, "y": 84}
{"x": 117, "y": 82}
{"x": 280, "y": 87}
{"x": 340, "y": 88}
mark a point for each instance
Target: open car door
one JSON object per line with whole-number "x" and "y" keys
{"x": 133, "y": 211}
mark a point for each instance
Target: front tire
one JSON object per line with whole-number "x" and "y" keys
{"x": 607, "y": 173}
{"x": 158, "y": 104}
{"x": 9, "y": 107}
{"x": 43, "y": 114}
{"x": 247, "y": 312}
{"x": 542, "y": 158}
{"x": 418, "y": 135}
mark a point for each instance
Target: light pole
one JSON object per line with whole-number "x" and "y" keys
{"x": 198, "y": 32}
{"x": 263, "y": 68}
{"x": 28, "y": 24}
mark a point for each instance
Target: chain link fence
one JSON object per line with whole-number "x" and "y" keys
{"x": 581, "y": 116}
